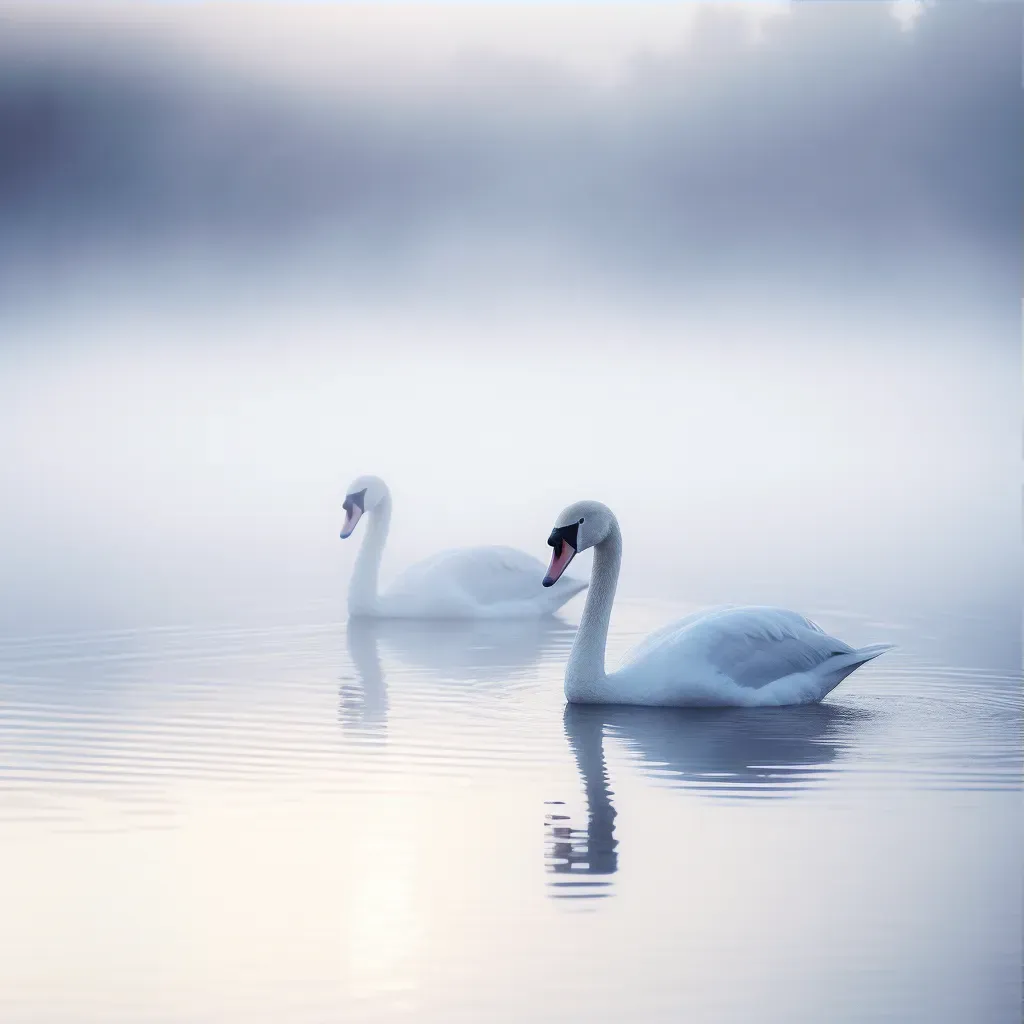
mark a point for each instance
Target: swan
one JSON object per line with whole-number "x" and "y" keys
{"x": 720, "y": 657}
{"x": 466, "y": 583}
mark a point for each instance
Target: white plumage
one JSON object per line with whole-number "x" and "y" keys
{"x": 743, "y": 657}
{"x": 463, "y": 583}
{"x": 739, "y": 656}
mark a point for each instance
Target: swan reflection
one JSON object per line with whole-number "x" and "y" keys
{"x": 727, "y": 752}
{"x": 363, "y": 699}
{"x": 483, "y": 652}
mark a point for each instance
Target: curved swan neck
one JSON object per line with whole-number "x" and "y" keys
{"x": 362, "y": 589}
{"x": 585, "y": 673}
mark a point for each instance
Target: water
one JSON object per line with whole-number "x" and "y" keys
{"x": 387, "y": 822}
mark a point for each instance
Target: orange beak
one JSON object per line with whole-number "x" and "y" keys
{"x": 561, "y": 555}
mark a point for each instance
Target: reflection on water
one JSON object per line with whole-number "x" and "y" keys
{"x": 590, "y": 852}
{"x": 728, "y": 752}
{"x": 485, "y": 652}
{"x": 371, "y": 852}
{"x": 363, "y": 700}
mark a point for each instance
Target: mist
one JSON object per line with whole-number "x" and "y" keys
{"x": 750, "y": 279}
{"x": 833, "y": 151}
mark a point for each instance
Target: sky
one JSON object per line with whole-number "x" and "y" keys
{"x": 664, "y": 153}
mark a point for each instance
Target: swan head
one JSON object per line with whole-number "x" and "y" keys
{"x": 364, "y": 494}
{"x": 578, "y": 527}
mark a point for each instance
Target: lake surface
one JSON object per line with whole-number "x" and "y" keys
{"x": 295, "y": 820}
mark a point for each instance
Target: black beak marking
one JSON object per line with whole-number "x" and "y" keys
{"x": 565, "y": 534}
{"x": 355, "y": 500}
{"x": 560, "y": 536}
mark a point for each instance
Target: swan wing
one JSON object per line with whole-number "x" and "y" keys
{"x": 664, "y": 636}
{"x": 756, "y": 648}
{"x": 752, "y": 647}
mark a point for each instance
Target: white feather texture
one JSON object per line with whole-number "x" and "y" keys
{"x": 464, "y": 583}
{"x": 740, "y": 657}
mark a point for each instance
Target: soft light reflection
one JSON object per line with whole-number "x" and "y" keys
{"x": 383, "y": 929}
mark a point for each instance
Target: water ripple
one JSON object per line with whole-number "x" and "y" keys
{"x": 131, "y": 711}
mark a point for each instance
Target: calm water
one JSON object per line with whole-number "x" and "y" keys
{"x": 396, "y": 822}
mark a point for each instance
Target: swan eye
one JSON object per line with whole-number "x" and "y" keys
{"x": 581, "y": 519}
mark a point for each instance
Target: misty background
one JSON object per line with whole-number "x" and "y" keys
{"x": 750, "y": 275}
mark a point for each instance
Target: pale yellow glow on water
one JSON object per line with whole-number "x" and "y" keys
{"x": 384, "y": 931}
{"x": 398, "y": 906}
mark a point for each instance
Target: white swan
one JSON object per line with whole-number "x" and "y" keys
{"x": 720, "y": 657}
{"x": 467, "y": 583}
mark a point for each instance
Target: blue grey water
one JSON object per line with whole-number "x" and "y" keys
{"x": 404, "y": 822}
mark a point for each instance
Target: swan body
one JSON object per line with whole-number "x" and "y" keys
{"x": 726, "y": 656}
{"x": 465, "y": 583}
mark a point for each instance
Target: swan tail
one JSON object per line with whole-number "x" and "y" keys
{"x": 871, "y": 651}
{"x": 838, "y": 667}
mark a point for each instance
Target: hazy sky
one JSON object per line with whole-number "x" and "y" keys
{"x": 667, "y": 151}
{"x": 750, "y": 275}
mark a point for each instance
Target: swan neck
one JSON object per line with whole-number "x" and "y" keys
{"x": 362, "y": 589}
{"x": 585, "y": 672}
